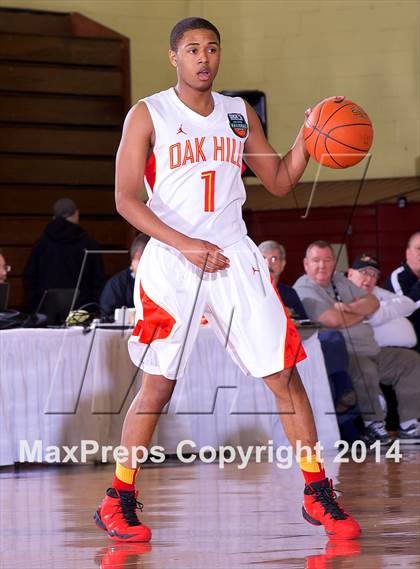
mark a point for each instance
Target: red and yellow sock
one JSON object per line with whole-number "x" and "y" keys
{"x": 124, "y": 478}
{"x": 312, "y": 470}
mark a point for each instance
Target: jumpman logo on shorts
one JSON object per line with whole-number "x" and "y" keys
{"x": 180, "y": 130}
{"x": 255, "y": 270}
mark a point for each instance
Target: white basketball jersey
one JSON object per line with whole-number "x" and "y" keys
{"x": 193, "y": 177}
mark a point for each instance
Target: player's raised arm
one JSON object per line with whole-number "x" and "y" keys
{"x": 136, "y": 143}
{"x": 279, "y": 175}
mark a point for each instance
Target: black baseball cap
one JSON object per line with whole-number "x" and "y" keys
{"x": 365, "y": 261}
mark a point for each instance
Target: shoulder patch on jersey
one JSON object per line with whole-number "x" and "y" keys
{"x": 238, "y": 124}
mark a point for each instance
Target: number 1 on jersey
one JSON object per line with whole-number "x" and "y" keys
{"x": 209, "y": 183}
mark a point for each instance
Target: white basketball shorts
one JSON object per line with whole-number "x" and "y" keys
{"x": 240, "y": 303}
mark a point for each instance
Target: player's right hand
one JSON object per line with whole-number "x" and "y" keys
{"x": 204, "y": 255}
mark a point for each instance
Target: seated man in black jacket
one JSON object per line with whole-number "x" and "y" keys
{"x": 56, "y": 259}
{"x": 405, "y": 280}
{"x": 119, "y": 290}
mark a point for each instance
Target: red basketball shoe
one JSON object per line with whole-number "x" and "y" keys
{"x": 122, "y": 555}
{"x": 117, "y": 516}
{"x": 320, "y": 507}
{"x": 333, "y": 549}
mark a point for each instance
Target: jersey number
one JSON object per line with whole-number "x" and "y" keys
{"x": 209, "y": 182}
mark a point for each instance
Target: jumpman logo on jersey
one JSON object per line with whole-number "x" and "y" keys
{"x": 255, "y": 270}
{"x": 180, "y": 130}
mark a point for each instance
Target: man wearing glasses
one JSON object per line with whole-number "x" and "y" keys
{"x": 4, "y": 268}
{"x": 275, "y": 257}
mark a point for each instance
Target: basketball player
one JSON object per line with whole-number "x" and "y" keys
{"x": 187, "y": 142}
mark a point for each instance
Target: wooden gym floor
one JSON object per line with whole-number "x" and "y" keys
{"x": 204, "y": 517}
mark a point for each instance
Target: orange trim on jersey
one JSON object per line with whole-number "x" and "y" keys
{"x": 209, "y": 181}
{"x": 157, "y": 324}
{"x": 293, "y": 349}
{"x": 150, "y": 171}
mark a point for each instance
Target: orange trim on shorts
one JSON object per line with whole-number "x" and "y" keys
{"x": 157, "y": 323}
{"x": 293, "y": 349}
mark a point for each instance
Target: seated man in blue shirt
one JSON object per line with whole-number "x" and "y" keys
{"x": 119, "y": 289}
{"x": 275, "y": 256}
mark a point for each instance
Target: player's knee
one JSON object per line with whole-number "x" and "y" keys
{"x": 289, "y": 375}
{"x": 157, "y": 393}
{"x": 282, "y": 383}
{"x": 279, "y": 383}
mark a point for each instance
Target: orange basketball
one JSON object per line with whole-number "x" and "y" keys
{"x": 338, "y": 133}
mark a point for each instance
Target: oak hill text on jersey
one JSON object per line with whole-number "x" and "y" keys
{"x": 223, "y": 149}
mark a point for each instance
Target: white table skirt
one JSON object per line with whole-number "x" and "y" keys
{"x": 47, "y": 394}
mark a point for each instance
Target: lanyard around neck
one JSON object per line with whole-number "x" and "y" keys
{"x": 335, "y": 291}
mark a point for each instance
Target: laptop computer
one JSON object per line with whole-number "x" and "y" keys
{"x": 55, "y": 304}
{"x": 4, "y": 296}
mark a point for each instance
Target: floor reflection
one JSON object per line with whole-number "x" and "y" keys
{"x": 205, "y": 518}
